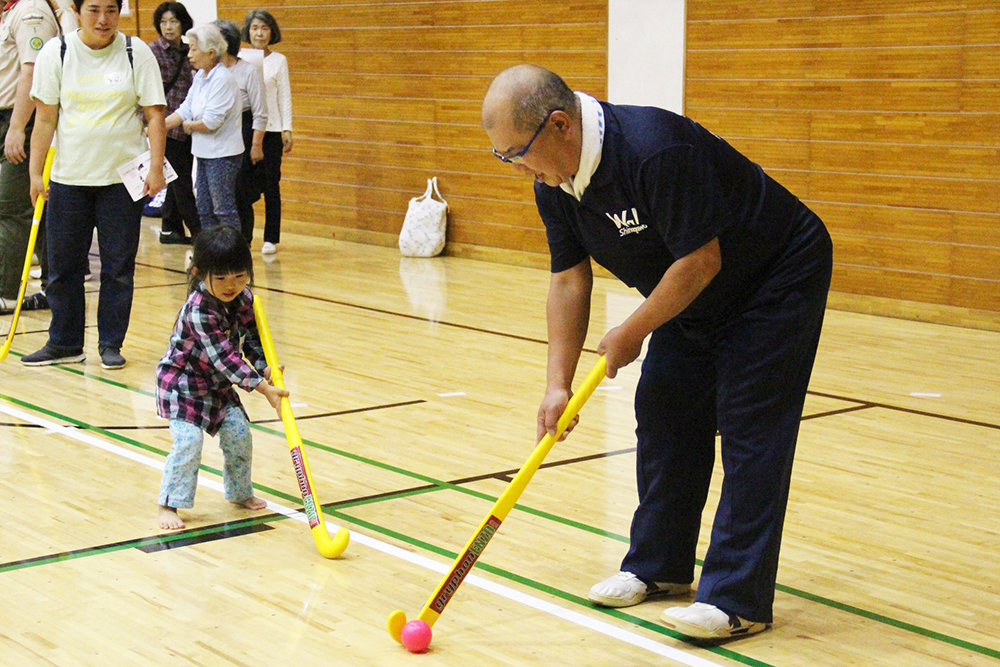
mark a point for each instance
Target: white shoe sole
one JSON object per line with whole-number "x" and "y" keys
{"x": 616, "y": 602}
{"x": 664, "y": 590}
{"x": 76, "y": 359}
{"x": 699, "y": 632}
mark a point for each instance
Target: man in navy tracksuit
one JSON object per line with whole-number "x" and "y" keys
{"x": 735, "y": 272}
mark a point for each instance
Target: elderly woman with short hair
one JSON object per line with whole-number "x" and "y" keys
{"x": 251, "y": 82}
{"x": 211, "y": 114}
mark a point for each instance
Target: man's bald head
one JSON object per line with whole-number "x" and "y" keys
{"x": 525, "y": 95}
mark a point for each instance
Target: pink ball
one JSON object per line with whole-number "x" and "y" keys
{"x": 416, "y": 636}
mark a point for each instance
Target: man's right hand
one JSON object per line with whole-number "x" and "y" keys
{"x": 37, "y": 188}
{"x": 553, "y": 405}
{"x": 13, "y": 146}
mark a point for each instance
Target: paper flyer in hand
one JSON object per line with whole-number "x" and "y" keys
{"x": 134, "y": 174}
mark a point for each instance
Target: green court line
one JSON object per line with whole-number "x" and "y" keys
{"x": 342, "y": 516}
{"x": 551, "y": 590}
{"x": 134, "y": 443}
{"x": 440, "y": 484}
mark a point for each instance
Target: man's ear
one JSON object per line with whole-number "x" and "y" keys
{"x": 562, "y": 121}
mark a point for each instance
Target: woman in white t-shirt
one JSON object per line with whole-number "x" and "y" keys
{"x": 261, "y": 30}
{"x": 90, "y": 87}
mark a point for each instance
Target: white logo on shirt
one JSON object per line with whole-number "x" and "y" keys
{"x": 624, "y": 225}
{"x": 114, "y": 78}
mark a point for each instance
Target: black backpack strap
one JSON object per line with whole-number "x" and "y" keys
{"x": 62, "y": 49}
{"x": 131, "y": 61}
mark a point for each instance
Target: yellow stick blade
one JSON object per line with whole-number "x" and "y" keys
{"x": 397, "y": 620}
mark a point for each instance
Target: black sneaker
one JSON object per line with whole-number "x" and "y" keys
{"x": 174, "y": 238}
{"x": 36, "y": 301}
{"x": 48, "y": 356}
{"x": 111, "y": 358}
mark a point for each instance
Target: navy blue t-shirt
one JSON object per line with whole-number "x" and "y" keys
{"x": 665, "y": 187}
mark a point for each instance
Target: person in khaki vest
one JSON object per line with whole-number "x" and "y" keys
{"x": 24, "y": 28}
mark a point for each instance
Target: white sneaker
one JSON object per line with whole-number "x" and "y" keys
{"x": 188, "y": 259}
{"x": 625, "y": 589}
{"x": 34, "y": 259}
{"x": 35, "y": 272}
{"x": 706, "y": 621}
{"x": 268, "y": 248}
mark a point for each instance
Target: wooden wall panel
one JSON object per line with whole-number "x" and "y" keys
{"x": 884, "y": 116}
{"x": 749, "y": 10}
{"x": 141, "y": 21}
{"x": 387, "y": 93}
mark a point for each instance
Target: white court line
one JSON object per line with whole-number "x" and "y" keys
{"x": 454, "y": 393}
{"x": 575, "y": 617}
{"x": 610, "y": 387}
{"x": 924, "y": 394}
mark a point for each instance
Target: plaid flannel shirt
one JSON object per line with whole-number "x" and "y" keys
{"x": 169, "y": 58}
{"x": 195, "y": 378}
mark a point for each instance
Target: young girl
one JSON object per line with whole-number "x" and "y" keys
{"x": 194, "y": 380}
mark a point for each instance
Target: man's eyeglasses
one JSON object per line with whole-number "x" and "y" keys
{"x": 520, "y": 154}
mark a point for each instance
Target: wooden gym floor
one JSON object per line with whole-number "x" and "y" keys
{"x": 416, "y": 383}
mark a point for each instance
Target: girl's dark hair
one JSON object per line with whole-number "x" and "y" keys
{"x": 180, "y": 13}
{"x": 231, "y": 33}
{"x": 79, "y": 5}
{"x": 266, "y": 17}
{"x": 219, "y": 251}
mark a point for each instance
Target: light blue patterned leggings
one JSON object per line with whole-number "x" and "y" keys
{"x": 180, "y": 473}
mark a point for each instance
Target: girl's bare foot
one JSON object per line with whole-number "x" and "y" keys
{"x": 253, "y": 503}
{"x": 169, "y": 519}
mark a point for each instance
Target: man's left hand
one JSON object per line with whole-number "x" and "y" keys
{"x": 621, "y": 347}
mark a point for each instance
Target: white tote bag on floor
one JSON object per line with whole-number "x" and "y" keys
{"x": 426, "y": 224}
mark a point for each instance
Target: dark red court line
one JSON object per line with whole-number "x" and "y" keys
{"x": 502, "y": 334}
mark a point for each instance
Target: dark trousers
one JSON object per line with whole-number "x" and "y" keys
{"x": 74, "y": 212}
{"x": 217, "y": 190}
{"x": 249, "y": 181}
{"x": 15, "y": 214}
{"x": 748, "y": 379}
{"x": 273, "y": 149}
{"x": 179, "y": 207}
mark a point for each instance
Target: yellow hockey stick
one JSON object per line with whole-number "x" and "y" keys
{"x": 35, "y": 221}
{"x": 480, "y": 538}
{"x": 328, "y": 547}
